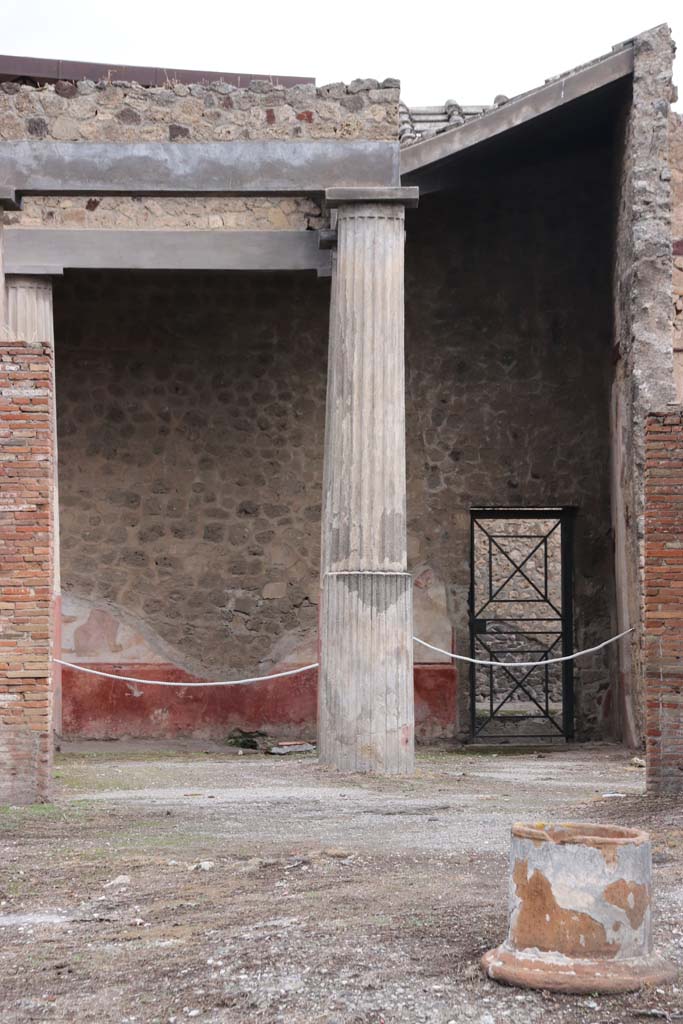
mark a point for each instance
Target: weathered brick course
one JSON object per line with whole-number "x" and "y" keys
{"x": 26, "y": 483}
{"x": 663, "y": 601}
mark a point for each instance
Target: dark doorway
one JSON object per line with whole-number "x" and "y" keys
{"x": 521, "y": 611}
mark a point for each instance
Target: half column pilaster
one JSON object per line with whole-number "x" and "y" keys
{"x": 27, "y": 538}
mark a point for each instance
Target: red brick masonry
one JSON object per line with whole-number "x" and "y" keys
{"x": 97, "y": 708}
{"x": 663, "y": 625}
{"x": 26, "y": 483}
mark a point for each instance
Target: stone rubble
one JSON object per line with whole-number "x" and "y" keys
{"x": 109, "y": 111}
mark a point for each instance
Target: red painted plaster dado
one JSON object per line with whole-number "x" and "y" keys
{"x": 97, "y": 708}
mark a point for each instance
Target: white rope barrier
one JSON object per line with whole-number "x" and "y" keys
{"x": 308, "y": 668}
{"x": 165, "y": 682}
{"x": 523, "y": 664}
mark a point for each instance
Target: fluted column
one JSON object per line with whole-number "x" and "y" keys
{"x": 28, "y": 561}
{"x": 366, "y": 719}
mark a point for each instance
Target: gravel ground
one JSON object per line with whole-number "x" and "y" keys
{"x": 167, "y": 886}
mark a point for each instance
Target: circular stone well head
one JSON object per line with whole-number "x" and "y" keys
{"x": 580, "y": 896}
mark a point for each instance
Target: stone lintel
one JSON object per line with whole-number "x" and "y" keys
{"x": 408, "y": 196}
{"x": 53, "y": 250}
{"x": 257, "y": 167}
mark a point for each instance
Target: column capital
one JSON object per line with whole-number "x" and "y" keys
{"x": 406, "y": 197}
{"x": 28, "y": 309}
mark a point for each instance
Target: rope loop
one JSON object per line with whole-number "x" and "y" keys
{"x": 309, "y": 668}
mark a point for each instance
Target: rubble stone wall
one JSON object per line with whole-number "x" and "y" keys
{"x": 190, "y": 420}
{"x": 676, "y": 161}
{"x": 201, "y": 213}
{"x": 213, "y": 112}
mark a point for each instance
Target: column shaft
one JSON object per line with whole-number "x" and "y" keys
{"x": 27, "y": 538}
{"x": 365, "y": 500}
{"x": 366, "y": 720}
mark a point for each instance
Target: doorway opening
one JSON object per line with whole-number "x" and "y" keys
{"x": 520, "y": 611}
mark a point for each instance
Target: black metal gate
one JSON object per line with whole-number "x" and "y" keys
{"x": 521, "y": 611}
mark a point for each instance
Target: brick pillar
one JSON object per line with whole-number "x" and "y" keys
{"x": 27, "y": 488}
{"x": 663, "y": 625}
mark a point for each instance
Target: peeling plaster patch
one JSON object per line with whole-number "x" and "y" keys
{"x": 96, "y": 633}
{"x": 558, "y": 929}
{"x": 632, "y": 898}
{"x": 431, "y": 621}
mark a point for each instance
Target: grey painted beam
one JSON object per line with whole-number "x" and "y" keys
{"x": 53, "y": 250}
{"x": 518, "y": 111}
{"x": 222, "y": 168}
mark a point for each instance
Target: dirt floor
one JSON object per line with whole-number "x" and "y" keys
{"x": 172, "y": 886}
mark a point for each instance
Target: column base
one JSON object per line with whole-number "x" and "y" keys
{"x": 555, "y": 973}
{"x": 365, "y": 694}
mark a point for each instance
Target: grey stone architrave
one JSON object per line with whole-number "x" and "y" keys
{"x": 202, "y": 168}
{"x": 53, "y": 250}
{"x": 365, "y": 702}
